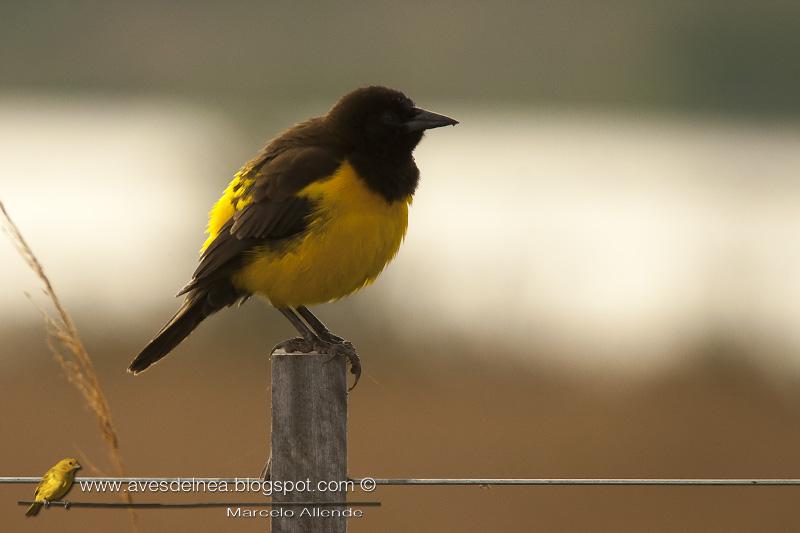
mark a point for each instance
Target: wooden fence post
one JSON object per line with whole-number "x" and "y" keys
{"x": 309, "y": 438}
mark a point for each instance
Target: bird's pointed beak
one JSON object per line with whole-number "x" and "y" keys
{"x": 426, "y": 120}
{"x": 78, "y": 466}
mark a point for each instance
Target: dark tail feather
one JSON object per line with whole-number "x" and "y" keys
{"x": 198, "y": 305}
{"x": 188, "y": 317}
{"x": 33, "y": 510}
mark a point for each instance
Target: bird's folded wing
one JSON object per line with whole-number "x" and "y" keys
{"x": 47, "y": 481}
{"x": 270, "y": 209}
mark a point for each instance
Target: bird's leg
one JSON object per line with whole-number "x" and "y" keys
{"x": 322, "y": 331}
{"x": 46, "y": 503}
{"x": 322, "y": 341}
{"x": 340, "y": 346}
{"x": 66, "y": 505}
{"x": 309, "y": 339}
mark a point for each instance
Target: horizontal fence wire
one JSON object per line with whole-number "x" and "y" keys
{"x": 452, "y": 481}
{"x": 585, "y": 481}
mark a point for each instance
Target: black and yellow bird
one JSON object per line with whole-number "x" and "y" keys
{"x": 315, "y": 216}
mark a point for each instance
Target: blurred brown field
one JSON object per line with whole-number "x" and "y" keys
{"x": 432, "y": 408}
{"x": 599, "y": 279}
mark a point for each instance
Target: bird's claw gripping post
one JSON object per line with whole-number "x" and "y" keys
{"x": 333, "y": 348}
{"x": 346, "y": 349}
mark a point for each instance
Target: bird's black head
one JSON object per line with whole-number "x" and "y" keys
{"x": 383, "y": 121}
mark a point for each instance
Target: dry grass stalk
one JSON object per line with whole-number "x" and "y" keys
{"x": 70, "y": 353}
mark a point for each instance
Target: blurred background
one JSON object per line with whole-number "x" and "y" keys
{"x": 599, "y": 278}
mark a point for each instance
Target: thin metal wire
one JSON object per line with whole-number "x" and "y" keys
{"x": 556, "y": 481}
{"x": 452, "y": 481}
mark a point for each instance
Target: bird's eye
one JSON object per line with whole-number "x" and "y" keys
{"x": 390, "y": 117}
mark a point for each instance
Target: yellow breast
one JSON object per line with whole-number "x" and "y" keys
{"x": 352, "y": 236}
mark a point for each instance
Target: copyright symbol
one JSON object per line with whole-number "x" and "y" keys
{"x": 367, "y": 484}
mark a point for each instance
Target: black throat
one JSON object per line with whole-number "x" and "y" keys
{"x": 393, "y": 176}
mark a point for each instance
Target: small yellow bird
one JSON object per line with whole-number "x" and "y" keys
{"x": 54, "y": 484}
